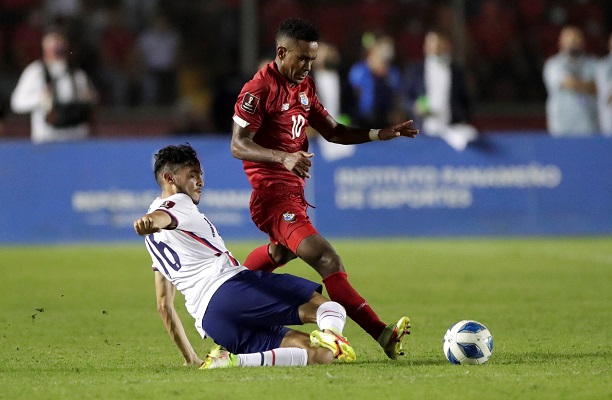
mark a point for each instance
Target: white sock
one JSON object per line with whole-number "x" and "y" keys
{"x": 331, "y": 315}
{"x": 281, "y": 357}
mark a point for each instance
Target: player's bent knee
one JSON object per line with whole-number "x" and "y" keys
{"x": 280, "y": 254}
{"x": 328, "y": 264}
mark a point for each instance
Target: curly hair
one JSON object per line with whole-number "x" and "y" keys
{"x": 171, "y": 157}
{"x": 299, "y": 29}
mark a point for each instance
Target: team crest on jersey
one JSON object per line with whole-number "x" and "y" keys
{"x": 304, "y": 100}
{"x": 249, "y": 103}
{"x": 289, "y": 216}
{"x": 168, "y": 204}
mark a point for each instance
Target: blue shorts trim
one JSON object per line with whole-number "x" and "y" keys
{"x": 248, "y": 313}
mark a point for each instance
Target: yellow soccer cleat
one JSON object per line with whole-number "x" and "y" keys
{"x": 219, "y": 358}
{"x": 338, "y": 344}
{"x": 391, "y": 338}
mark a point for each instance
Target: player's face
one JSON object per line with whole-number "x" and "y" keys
{"x": 296, "y": 59}
{"x": 188, "y": 180}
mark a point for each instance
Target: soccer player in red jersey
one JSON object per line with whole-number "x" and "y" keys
{"x": 269, "y": 135}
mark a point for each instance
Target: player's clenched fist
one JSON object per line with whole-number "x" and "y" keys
{"x": 145, "y": 225}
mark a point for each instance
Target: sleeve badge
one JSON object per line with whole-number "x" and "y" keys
{"x": 167, "y": 204}
{"x": 249, "y": 103}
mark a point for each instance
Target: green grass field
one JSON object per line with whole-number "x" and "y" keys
{"x": 79, "y": 322}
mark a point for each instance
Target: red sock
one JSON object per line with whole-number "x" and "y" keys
{"x": 357, "y": 308}
{"x": 260, "y": 260}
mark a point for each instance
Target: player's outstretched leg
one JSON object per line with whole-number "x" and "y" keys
{"x": 391, "y": 338}
{"x": 219, "y": 357}
{"x": 320, "y": 255}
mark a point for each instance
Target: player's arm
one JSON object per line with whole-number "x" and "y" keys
{"x": 335, "y": 132}
{"x": 153, "y": 222}
{"x": 164, "y": 292}
{"x": 244, "y": 148}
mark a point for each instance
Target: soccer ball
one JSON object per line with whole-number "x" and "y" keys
{"x": 468, "y": 342}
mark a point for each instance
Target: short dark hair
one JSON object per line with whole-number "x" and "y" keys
{"x": 174, "y": 156}
{"x": 299, "y": 29}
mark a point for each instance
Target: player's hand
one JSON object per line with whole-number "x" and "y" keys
{"x": 299, "y": 163}
{"x": 403, "y": 129}
{"x": 197, "y": 361}
{"x": 145, "y": 226}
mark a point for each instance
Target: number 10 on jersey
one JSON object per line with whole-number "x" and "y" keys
{"x": 298, "y": 124}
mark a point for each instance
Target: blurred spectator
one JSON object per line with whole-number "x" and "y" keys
{"x": 326, "y": 76}
{"x": 329, "y": 90}
{"x": 502, "y": 42}
{"x": 377, "y": 84}
{"x": 116, "y": 54}
{"x": 604, "y": 91}
{"x": 158, "y": 49}
{"x": 58, "y": 96}
{"x": 193, "y": 106}
{"x": 569, "y": 76}
{"x": 437, "y": 94}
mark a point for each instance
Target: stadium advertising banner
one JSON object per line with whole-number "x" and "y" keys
{"x": 505, "y": 185}
{"x": 94, "y": 190}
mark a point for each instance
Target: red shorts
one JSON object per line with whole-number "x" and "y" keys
{"x": 281, "y": 214}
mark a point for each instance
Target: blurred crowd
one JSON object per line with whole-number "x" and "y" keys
{"x": 182, "y": 55}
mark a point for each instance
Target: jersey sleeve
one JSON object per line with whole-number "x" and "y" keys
{"x": 250, "y": 106}
{"x": 179, "y": 207}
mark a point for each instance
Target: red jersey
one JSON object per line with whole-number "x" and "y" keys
{"x": 278, "y": 112}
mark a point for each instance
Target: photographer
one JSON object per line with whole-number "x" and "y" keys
{"x": 59, "y": 97}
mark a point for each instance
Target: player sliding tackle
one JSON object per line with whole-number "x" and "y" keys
{"x": 270, "y": 119}
{"x": 244, "y": 312}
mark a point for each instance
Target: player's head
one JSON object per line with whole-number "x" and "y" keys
{"x": 177, "y": 169}
{"x": 296, "y": 48}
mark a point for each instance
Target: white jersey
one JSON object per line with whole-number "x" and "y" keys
{"x": 192, "y": 256}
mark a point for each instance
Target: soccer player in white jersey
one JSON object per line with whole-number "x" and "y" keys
{"x": 244, "y": 312}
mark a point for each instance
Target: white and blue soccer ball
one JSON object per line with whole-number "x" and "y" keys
{"x": 468, "y": 342}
